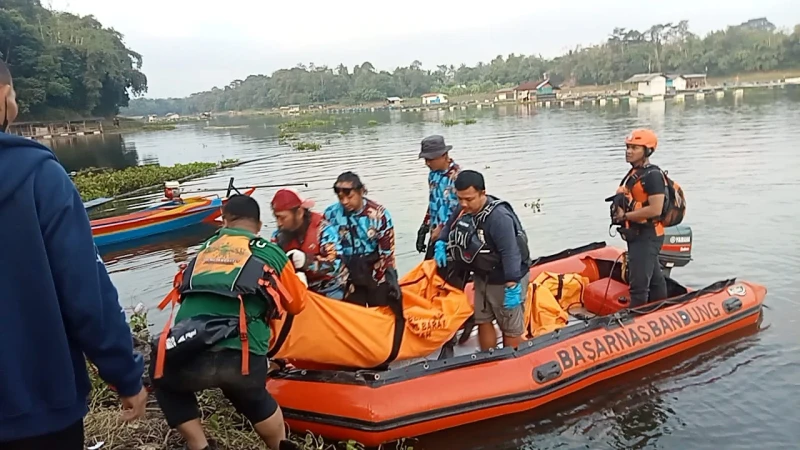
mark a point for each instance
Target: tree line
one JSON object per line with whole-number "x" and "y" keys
{"x": 755, "y": 45}
{"x": 66, "y": 66}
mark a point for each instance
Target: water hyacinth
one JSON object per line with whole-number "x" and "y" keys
{"x": 96, "y": 183}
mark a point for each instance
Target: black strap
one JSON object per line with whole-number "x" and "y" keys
{"x": 560, "y": 286}
{"x": 397, "y": 337}
{"x": 282, "y": 335}
{"x": 630, "y": 179}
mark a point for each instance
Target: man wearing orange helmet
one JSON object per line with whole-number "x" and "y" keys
{"x": 644, "y": 189}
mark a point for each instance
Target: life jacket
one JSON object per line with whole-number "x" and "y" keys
{"x": 228, "y": 268}
{"x": 636, "y": 198}
{"x": 310, "y": 245}
{"x": 468, "y": 245}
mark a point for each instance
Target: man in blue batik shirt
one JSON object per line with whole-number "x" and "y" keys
{"x": 442, "y": 199}
{"x": 366, "y": 234}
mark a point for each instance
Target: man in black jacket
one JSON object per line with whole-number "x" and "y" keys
{"x": 485, "y": 237}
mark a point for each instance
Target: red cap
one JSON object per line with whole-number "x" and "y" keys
{"x": 286, "y": 199}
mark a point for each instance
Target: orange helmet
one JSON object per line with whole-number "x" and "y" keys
{"x": 644, "y": 137}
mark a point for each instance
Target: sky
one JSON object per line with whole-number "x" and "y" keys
{"x": 190, "y": 48}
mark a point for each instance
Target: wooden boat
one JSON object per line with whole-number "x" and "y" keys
{"x": 603, "y": 339}
{"x": 173, "y": 214}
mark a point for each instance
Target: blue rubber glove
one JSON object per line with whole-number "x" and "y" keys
{"x": 513, "y": 297}
{"x": 440, "y": 253}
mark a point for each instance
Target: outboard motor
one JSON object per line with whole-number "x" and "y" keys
{"x": 677, "y": 248}
{"x": 172, "y": 190}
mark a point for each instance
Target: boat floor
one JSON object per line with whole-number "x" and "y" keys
{"x": 472, "y": 345}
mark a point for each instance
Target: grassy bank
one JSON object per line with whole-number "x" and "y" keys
{"x": 96, "y": 183}
{"x": 222, "y": 423}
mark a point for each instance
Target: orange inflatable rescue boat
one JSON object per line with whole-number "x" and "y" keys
{"x": 580, "y": 332}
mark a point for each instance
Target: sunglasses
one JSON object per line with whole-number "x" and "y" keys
{"x": 343, "y": 190}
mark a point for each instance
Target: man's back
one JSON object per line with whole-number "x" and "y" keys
{"x": 198, "y": 304}
{"x": 58, "y": 301}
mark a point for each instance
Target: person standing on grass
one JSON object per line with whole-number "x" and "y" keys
{"x": 59, "y": 305}
{"x": 229, "y": 291}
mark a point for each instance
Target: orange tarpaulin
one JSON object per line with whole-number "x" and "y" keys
{"x": 338, "y": 333}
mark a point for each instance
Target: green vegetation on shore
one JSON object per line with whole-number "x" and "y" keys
{"x": 754, "y": 46}
{"x": 66, "y": 66}
{"x": 222, "y": 423}
{"x": 97, "y": 183}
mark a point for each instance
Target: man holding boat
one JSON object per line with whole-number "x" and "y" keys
{"x": 310, "y": 241}
{"x": 442, "y": 199}
{"x": 228, "y": 294}
{"x": 484, "y": 236}
{"x": 59, "y": 306}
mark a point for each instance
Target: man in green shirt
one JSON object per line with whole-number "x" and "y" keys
{"x": 224, "y": 284}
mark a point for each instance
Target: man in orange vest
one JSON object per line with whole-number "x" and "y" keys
{"x": 644, "y": 188}
{"x": 311, "y": 243}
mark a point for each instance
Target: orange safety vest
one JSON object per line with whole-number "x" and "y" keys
{"x": 631, "y": 186}
{"x": 310, "y": 245}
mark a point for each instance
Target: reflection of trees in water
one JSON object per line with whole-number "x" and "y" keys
{"x": 80, "y": 152}
{"x": 180, "y": 244}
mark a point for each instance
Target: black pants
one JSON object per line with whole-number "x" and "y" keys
{"x": 70, "y": 438}
{"x": 645, "y": 278}
{"x": 175, "y": 391}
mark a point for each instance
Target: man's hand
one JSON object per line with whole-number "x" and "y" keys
{"x": 440, "y": 253}
{"x": 299, "y": 260}
{"x": 513, "y": 295}
{"x": 134, "y": 407}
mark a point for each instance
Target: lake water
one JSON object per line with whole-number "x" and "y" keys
{"x": 737, "y": 160}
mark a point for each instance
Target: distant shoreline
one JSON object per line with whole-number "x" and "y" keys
{"x": 129, "y": 124}
{"x": 588, "y": 91}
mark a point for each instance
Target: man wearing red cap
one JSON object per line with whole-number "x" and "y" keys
{"x": 310, "y": 242}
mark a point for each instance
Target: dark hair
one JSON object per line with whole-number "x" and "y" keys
{"x": 5, "y": 74}
{"x": 351, "y": 177}
{"x": 240, "y": 207}
{"x": 470, "y": 179}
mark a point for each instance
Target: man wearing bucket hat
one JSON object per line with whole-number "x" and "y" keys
{"x": 310, "y": 242}
{"x": 442, "y": 199}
